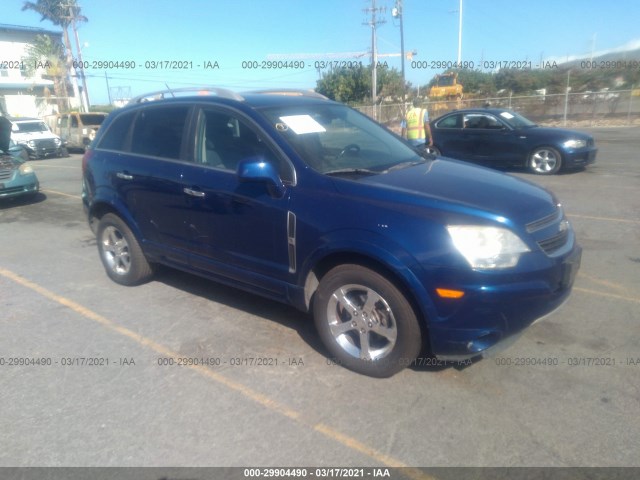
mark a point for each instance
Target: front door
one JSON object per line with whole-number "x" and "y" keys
{"x": 236, "y": 228}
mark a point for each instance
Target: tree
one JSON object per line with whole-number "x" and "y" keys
{"x": 353, "y": 85}
{"x": 49, "y": 53}
{"x": 63, "y": 14}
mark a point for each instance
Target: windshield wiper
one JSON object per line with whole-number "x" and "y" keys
{"x": 356, "y": 171}
{"x": 410, "y": 163}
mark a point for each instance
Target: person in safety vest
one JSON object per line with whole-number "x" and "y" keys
{"x": 415, "y": 127}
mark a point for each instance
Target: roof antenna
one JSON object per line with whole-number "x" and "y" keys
{"x": 169, "y": 89}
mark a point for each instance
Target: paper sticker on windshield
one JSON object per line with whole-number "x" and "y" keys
{"x": 506, "y": 115}
{"x": 302, "y": 124}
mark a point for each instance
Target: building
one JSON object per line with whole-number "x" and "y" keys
{"x": 22, "y": 95}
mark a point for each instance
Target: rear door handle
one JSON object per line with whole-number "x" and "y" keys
{"x": 124, "y": 175}
{"x": 194, "y": 193}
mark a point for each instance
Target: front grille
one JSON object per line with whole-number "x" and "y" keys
{"x": 5, "y": 174}
{"x": 545, "y": 221}
{"x": 45, "y": 144}
{"x": 9, "y": 191}
{"x": 553, "y": 244}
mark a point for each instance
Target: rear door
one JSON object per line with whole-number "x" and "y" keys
{"x": 146, "y": 168}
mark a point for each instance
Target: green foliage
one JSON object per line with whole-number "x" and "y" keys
{"x": 44, "y": 50}
{"x": 353, "y": 85}
{"x": 525, "y": 82}
{"x": 57, "y": 12}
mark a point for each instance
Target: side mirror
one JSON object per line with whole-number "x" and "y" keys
{"x": 256, "y": 169}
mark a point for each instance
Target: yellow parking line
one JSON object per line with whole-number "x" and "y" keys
{"x": 247, "y": 392}
{"x": 610, "y": 295}
{"x": 606, "y": 283}
{"x": 61, "y": 193}
{"x": 609, "y": 219}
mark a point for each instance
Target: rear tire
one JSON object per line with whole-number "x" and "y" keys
{"x": 120, "y": 252}
{"x": 366, "y": 322}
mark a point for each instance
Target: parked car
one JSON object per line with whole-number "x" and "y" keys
{"x": 502, "y": 138}
{"x": 17, "y": 177}
{"x": 76, "y": 130}
{"x": 304, "y": 200}
{"x": 36, "y": 137}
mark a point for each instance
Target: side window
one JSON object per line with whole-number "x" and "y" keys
{"x": 63, "y": 121}
{"x": 74, "y": 121}
{"x": 224, "y": 140}
{"x": 482, "y": 121}
{"x": 158, "y": 131}
{"x": 116, "y": 136}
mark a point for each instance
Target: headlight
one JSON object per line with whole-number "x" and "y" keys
{"x": 487, "y": 247}
{"x": 25, "y": 169}
{"x": 575, "y": 143}
{"x": 57, "y": 141}
{"x": 31, "y": 143}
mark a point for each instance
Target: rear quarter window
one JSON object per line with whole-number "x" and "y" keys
{"x": 116, "y": 135}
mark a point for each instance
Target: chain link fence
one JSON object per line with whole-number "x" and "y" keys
{"x": 587, "y": 109}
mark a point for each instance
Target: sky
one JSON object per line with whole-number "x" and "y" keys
{"x": 232, "y": 37}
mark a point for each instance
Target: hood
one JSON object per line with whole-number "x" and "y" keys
{"x": 553, "y": 132}
{"x": 468, "y": 189}
{"x": 5, "y": 134}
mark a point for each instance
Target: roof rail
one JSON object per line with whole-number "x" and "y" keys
{"x": 187, "y": 91}
{"x": 290, "y": 92}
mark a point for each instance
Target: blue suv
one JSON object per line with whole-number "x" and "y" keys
{"x": 303, "y": 200}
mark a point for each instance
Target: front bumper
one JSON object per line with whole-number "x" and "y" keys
{"x": 44, "y": 150}
{"x": 490, "y": 313}
{"x": 18, "y": 186}
{"x": 580, "y": 158}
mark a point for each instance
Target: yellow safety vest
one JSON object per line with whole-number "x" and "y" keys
{"x": 415, "y": 126}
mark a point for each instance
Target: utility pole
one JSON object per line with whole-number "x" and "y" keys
{"x": 85, "y": 92}
{"x": 373, "y": 23}
{"x": 397, "y": 12}
{"x": 460, "y": 35}
{"x": 108, "y": 89}
{"x": 84, "y": 99}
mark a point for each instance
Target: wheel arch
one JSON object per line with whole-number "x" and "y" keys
{"x": 99, "y": 208}
{"x": 407, "y": 284}
{"x": 543, "y": 145}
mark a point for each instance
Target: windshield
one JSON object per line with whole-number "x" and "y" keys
{"x": 92, "y": 119}
{"x": 334, "y": 139}
{"x": 516, "y": 120}
{"x": 30, "y": 127}
{"x": 445, "y": 81}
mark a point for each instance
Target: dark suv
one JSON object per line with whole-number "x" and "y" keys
{"x": 306, "y": 201}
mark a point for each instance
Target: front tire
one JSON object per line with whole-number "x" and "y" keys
{"x": 120, "y": 252}
{"x": 545, "y": 161}
{"x": 366, "y": 322}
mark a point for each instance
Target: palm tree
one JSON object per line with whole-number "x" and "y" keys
{"x": 44, "y": 50}
{"x": 62, "y": 13}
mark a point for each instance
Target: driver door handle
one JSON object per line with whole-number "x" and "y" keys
{"x": 194, "y": 193}
{"x": 124, "y": 175}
